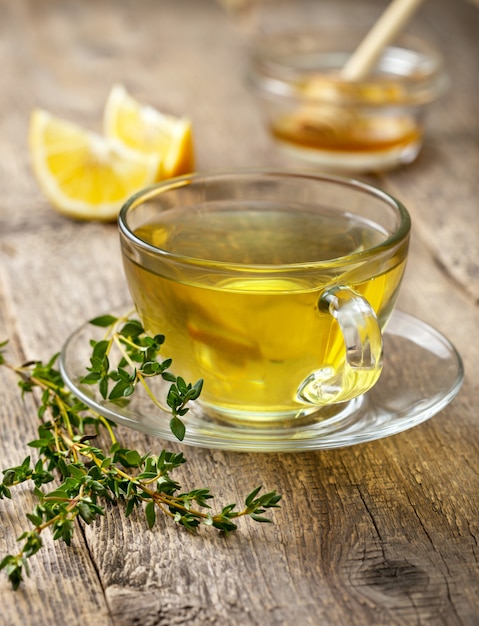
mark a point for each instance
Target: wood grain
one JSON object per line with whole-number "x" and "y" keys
{"x": 385, "y": 533}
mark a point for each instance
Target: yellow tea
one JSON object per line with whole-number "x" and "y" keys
{"x": 248, "y": 318}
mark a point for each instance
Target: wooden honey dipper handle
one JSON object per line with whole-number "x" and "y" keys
{"x": 381, "y": 34}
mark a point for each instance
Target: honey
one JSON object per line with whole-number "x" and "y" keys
{"x": 355, "y": 133}
{"x": 317, "y": 114}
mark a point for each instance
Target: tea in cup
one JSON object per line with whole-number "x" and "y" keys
{"x": 273, "y": 287}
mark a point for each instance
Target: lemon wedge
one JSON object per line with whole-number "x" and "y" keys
{"x": 84, "y": 175}
{"x": 142, "y": 128}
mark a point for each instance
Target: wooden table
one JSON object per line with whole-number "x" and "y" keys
{"x": 385, "y": 532}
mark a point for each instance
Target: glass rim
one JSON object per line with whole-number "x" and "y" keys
{"x": 400, "y": 233}
{"x": 271, "y": 75}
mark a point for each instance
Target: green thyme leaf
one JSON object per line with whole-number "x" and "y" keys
{"x": 104, "y": 321}
{"x": 177, "y": 428}
{"x": 150, "y": 514}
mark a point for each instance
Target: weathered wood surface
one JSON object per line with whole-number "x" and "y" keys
{"x": 382, "y": 533}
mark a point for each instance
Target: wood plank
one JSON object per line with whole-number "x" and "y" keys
{"x": 381, "y": 533}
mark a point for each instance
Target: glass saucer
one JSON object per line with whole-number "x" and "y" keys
{"x": 422, "y": 373}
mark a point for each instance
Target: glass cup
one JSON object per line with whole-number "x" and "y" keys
{"x": 315, "y": 114}
{"x": 273, "y": 287}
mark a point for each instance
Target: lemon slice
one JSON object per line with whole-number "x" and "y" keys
{"x": 84, "y": 175}
{"x": 144, "y": 129}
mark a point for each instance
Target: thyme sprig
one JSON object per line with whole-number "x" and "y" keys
{"x": 89, "y": 475}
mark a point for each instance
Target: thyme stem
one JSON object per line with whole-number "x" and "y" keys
{"x": 86, "y": 474}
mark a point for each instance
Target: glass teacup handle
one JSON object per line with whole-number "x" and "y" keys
{"x": 364, "y": 350}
